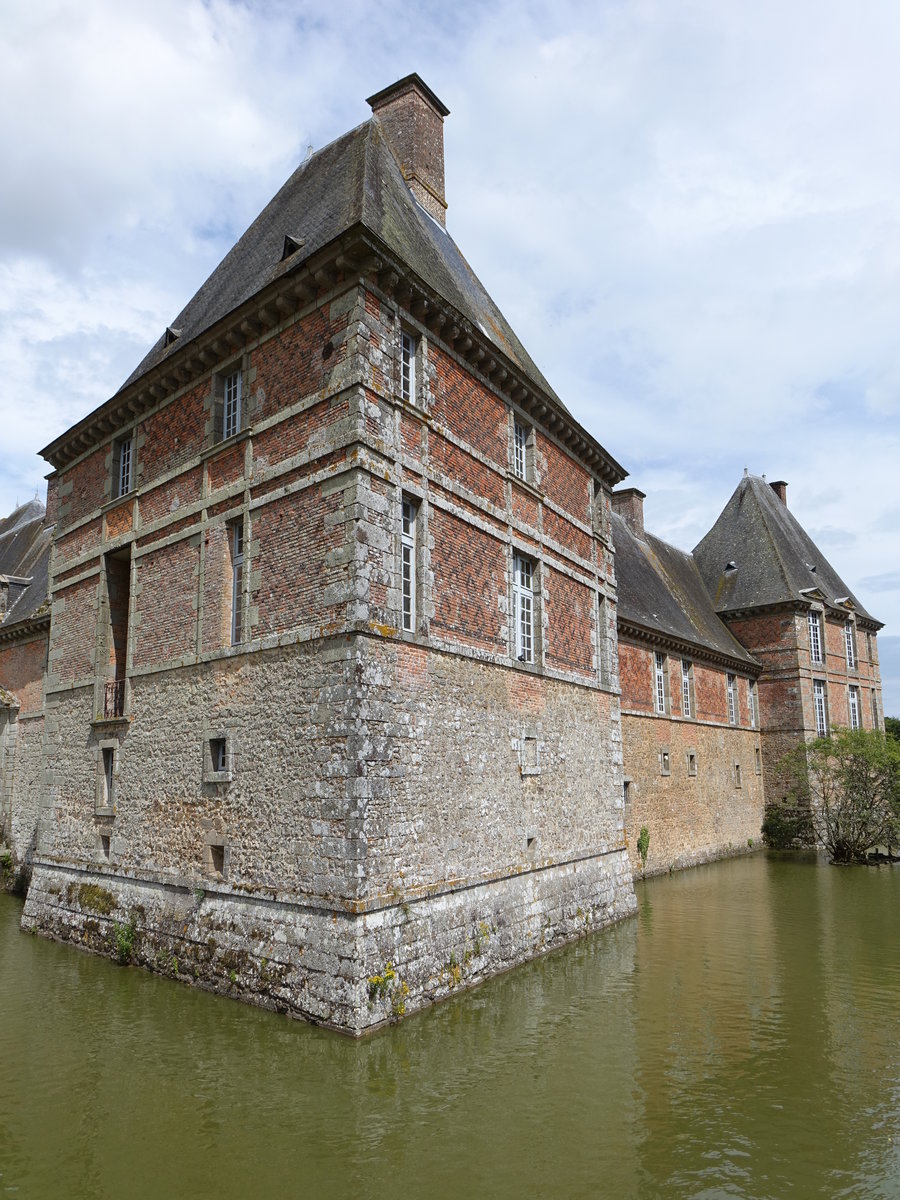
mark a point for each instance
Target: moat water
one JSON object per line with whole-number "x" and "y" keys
{"x": 739, "y": 1038}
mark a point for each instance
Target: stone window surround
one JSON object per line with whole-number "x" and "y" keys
{"x": 108, "y": 760}
{"x": 213, "y": 737}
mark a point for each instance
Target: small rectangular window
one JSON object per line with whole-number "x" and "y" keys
{"x": 107, "y": 773}
{"x": 659, "y": 674}
{"x": 737, "y": 774}
{"x": 408, "y": 565}
{"x": 731, "y": 686}
{"x": 665, "y": 766}
{"x": 124, "y": 455}
{"x": 236, "y": 538}
{"x": 815, "y": 637}
{"x": 523, "y": 607}
{"x": 691, "y": 762}
{"x": 408, "y": 367}
{"x": 686, "y": 687}
{"x": 218, "y": 753}
{"x": 819, "y": 700}
{"x": 853, "y": 704}
{"x": 850, "y": 644}
{"x": 758, "y": 759}
{"x": 217, "y": 758}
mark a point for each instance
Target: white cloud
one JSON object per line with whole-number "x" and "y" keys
{"x": 690, "y": 214}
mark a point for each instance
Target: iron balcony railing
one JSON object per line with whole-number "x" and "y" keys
{"x": 114, "y": 699}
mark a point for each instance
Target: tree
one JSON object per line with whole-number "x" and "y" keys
{"x": 892, "y": 728}
{"x": 852, "y": 779}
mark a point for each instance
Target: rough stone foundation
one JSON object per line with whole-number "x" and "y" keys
{"x": 349, "y": 971}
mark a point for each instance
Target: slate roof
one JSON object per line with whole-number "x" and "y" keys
{"x": 25, "y": 553}
{"x": 660, "y": 589}
{"x": 353, "y": 182}
{"x": 772, "y": 553}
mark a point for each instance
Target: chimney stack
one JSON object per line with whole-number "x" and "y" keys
{"x": 413, "y": 121}
{"x": 779, "y": 487}
{"x": 629, "y": 505}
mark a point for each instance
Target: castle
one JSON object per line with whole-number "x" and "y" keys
{"x": 337, "y": 674}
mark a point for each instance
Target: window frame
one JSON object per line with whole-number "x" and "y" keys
{"x": 820, "y": 707}
{"x": 409, "y": 350}
{"x": 237, "y": 538}
{"x": 524, "y": 606}
{"x": 814, "y": 627}
{"x": 409, "y": 514}
{"x": 218, "y": 756}
{"x": 753, "y": 703}
{"x": 124, "y": 466}
{"x": 687, "y": 688}
{"x": 854, "y": 711}
{"x": 732, "y": 696}
{"x": 660, "y": 683}
{"x": 850, "y": 646}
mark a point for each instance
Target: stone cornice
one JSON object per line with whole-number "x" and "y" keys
{"x": 25, "y": 628}
{"x": 692, "y": 650}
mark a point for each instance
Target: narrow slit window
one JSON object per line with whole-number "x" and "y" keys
{"x": 124, "y": 466}
{"x": 731, "y": 685}
{"x": 660, "y": 681}
{"x": 737, "y": 774}
{"x": 523, "y": 607}
{"x": 686, "y": 679}
{"x": 237, "y": 581}
{"x": 408, "y": 565}
{"x": 821, "y": 707}
{"x": 850, "y": 643}
{"x": 754, "y": 704}
{"x": 853, "y": 705}
{"x": 815, "y": 637}
{"x": 408, "y": 367}
{"x": 520, "y": 450}
{"x": 231, "y": 404}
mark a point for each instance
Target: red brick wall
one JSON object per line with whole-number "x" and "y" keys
{"x": 166, "y": 604}
{"x": 74, "y": 629}
{"x": 470, "y": 409}
{"x": 173, "y": 436}
{"x": 570, "y": 605}
{"x": 469, "y": 576}
{"x": 22, "y": 671}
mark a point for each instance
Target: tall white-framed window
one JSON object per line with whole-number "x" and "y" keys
{"x": 407, "y": 366}
{"x": 753, "y": 696}
{"x": 821, "y": 707}
{"x": 523, "y": 607}
{"x": 231, "y": 404}
{"x": 853, "y": 705}
{"x": 659, "y": 681}
{"x": 731, "y": 688}
{"x": 236, "y": 539}
{"x": 687, "y": 672}
{"x": 815, "y": 637}
{"x": 124, "y": 465}
{"x": 408, "y": 565}
{"x": 522, "y": 450}
{"x": 850, "y": 644}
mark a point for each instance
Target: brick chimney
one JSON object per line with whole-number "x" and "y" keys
{"x": 779, "y": 487}
{"x": 629, "y": 505}
{"x": 413, "y": 121}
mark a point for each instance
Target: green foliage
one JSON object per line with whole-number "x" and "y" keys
{"x": 643, "y": 844}
{"x": 786, "y": 825}
{"x": 853, "y": 777}
{"x": 892, "y": 728}
{"x": 123, "y": 939}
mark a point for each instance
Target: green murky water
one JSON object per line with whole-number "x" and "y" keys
{"x": 740, "y": 1037}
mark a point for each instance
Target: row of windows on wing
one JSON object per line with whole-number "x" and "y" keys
{"x": 814, "y": 621}
{"x": 854, "y": 707}
{"x": 522, "y": 590}
{"x": 661, "y": 691}
{"x": 228, "y": 421}
{"x": 665, "y": 765}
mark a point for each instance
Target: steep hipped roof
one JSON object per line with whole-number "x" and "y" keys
{"x": 660, "y": 590}
{"x": 24, "y": 559}
{"x": 774, "y": 560}
{"x": 354, "y": 181}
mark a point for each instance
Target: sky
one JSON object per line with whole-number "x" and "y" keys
{"x": 689, "y": 213}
